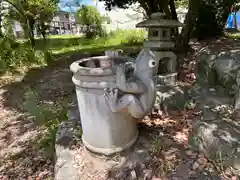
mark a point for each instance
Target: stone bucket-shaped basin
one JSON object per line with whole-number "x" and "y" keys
{"x": 104, "y": 132}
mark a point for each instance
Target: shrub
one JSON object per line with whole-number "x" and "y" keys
{"x": 13, "y": 55}
{"x": 90, "y": 17}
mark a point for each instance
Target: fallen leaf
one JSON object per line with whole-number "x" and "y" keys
{"x": 155, "y": 178}
{"x": 195, "y": 166}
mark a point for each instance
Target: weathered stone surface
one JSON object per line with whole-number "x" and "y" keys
{"x": 64, "y": 156}
{"x": 172, "y": 97}
{"x": 74, "y": 114}
{"x": 214, "y": 132}
{"x": 219, "y": 68}
{"x": 169, "y": 79}
{"x": 64, "y": 167}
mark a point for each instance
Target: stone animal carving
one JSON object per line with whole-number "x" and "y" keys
{"x": 135, "y": 95}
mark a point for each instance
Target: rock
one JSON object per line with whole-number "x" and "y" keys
{"x": 73, "y": 114}
{"x": 216, "y": 67}
{"x": 64, "y": 135}
{"x": 170, "y": 97}
{"x": 64, "y": 156}
{"x": 215, "y": 134}
{"x": 64, "y": 167}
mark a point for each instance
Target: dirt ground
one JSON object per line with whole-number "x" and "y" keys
{"x": 22, "y": 159}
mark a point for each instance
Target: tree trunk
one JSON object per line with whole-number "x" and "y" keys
{"x": 1, "y": 32}
{"x": 1, "y": 18}
{"x": 173, "y": 10}
{"x": 31, "y": 32}
{"x": 212, "y": 18}
{"x": 184, "y": 36}
{"x": 164, "y": 6}
{"x": 190, "y": 21}
{"x": 43, "y": 31}
{"x": 144, "y": 5}
{"x": 151, "y": 6}
{"x": 173, "y": 16}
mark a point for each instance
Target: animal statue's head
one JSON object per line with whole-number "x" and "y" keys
{"x": 145, "y": 63}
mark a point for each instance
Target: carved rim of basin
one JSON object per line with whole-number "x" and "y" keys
{"x": 98, "y": 65}
{"x": 97, "y": 72}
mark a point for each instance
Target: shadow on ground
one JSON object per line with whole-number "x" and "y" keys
{"x": 29, "y": 162}
{"x": 161, "y": 152}
{"x": 51, "y": 82}
{"x": 20, "y": 156}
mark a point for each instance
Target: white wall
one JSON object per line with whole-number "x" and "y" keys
{"x": 123, "y": 18}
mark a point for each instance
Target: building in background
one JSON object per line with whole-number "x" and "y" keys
{"x": 64, "y": 22}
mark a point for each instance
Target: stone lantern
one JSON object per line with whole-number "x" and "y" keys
{"x": 160, "y": 43}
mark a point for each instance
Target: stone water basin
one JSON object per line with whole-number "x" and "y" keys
{"x": 104, "y": 132}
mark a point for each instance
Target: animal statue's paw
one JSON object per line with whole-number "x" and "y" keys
{"x": 111, "y": 96}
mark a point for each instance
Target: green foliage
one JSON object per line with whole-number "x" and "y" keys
{"x": 33, "y": 13}
{"x": 88, "y": 15}
{"x": 119, "y": 3}
{"x": 17, "y": 55}
{"x": 13, "y": 55}
{"x": 8, "y": 30}
{"x": 212, "y": 17}
{"x": 156, "y": 145}
{"x": 92, "y": 19}
{"x": 181, "y": 3}
{"x": 38, "y": 10}
{"x": 129, "y": 36}
{"x": 117, "y": 39}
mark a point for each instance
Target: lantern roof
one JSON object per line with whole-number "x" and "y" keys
{"x": 159, "y": 20}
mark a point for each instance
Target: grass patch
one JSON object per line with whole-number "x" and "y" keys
{"x": 63, "y": 36}
{"x": 46, "y": 116}
{"x": 69, "y": 43}
{"x": 60, "y": 44}
{"x": 234, "y": 35}
{"x": 18, "y": 56}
